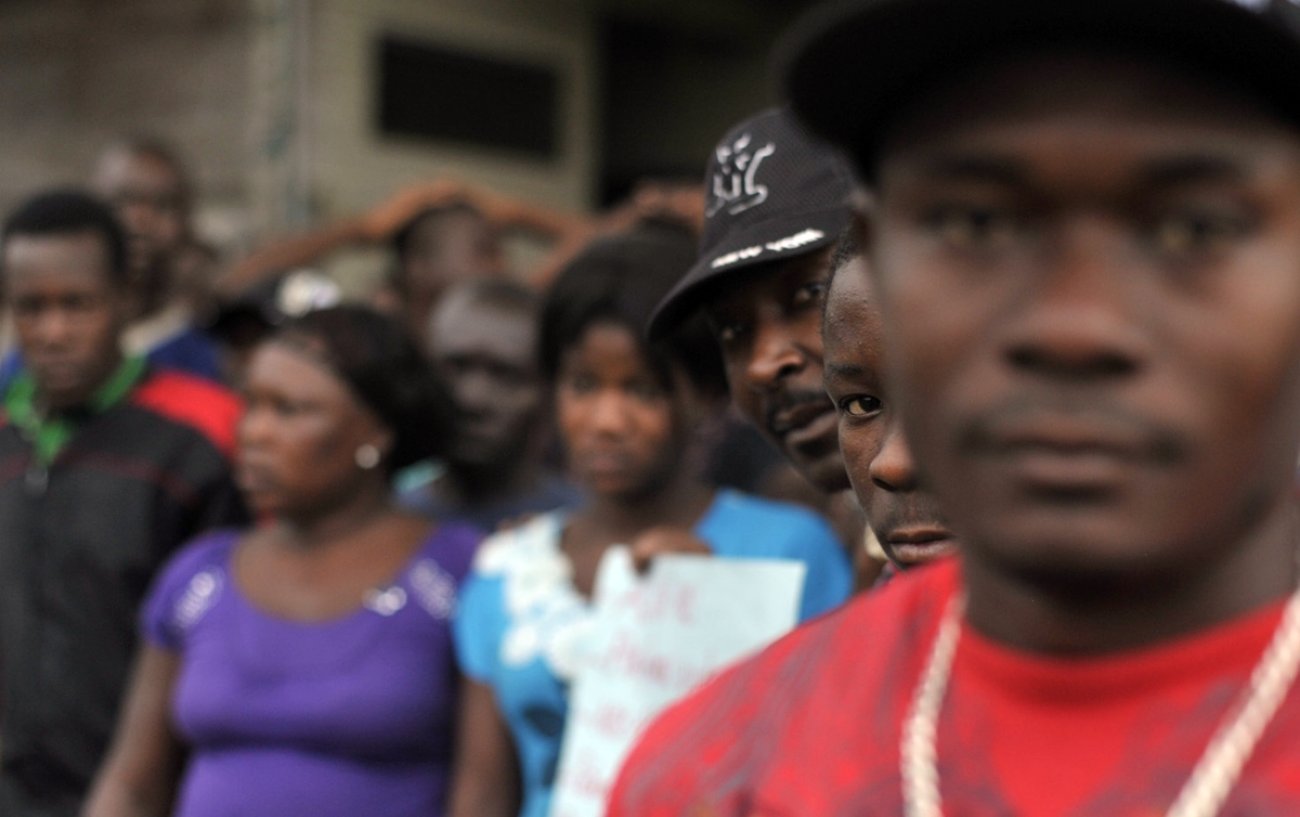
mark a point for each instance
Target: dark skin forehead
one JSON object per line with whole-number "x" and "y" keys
{"x": 464, "y": 324}
{"x": 851, "y": 323}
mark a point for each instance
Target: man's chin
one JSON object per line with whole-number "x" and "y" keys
{"x": 63, "y": 392}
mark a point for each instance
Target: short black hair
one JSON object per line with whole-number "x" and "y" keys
{"x": 386, "y": 372}
{"x": 71, "y": 211}
{"x": 621, "y": 279}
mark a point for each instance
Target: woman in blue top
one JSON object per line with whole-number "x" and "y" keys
{"x": 629, "y": 415}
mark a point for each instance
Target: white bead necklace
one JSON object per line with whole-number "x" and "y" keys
{"x": 1216, "y": 772}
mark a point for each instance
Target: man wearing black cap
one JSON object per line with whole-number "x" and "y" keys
{"x": 1086, "y": 253}
{"x": 777, "y": 201}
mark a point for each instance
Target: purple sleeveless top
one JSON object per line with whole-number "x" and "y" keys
{"x": 344, "y": 717}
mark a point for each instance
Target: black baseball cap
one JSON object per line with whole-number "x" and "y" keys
{"x": 772, "y": 191}
{"x": 893, "y": 50}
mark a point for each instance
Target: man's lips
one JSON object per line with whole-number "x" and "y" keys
{"x": 917, "y": 545}
{"x": 1066, "y": 438}
{"x": 601, "y": 462}
{"x": 55, "y": 369}
{"x": 253, "y": 478}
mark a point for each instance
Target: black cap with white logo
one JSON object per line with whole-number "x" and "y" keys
{"x": 772, "y": 192}
{"x": 890, "y": 51}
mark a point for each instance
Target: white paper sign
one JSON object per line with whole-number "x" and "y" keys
{"x": 657, "y": 637}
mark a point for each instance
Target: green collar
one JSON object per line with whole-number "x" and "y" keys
{"x": 49, "y": 434}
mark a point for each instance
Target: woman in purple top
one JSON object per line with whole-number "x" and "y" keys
{"x": 306, "y": 666}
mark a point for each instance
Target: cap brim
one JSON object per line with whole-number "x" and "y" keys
{"x": 891, "y": 50}
{"x": 790, "y": 236}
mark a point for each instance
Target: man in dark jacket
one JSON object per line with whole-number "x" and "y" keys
{"x": 106, "y": 466}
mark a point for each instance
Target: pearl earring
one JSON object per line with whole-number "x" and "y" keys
{"x": 367, "y": 456}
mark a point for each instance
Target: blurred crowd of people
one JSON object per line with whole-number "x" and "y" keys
{"x": 244, "y": 510}
{"x": 267, "y": 550}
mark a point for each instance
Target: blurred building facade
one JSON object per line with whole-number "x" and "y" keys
{"x": 276, "y": 103}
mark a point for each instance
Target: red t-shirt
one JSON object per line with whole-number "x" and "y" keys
{"x": 810, "y": 727}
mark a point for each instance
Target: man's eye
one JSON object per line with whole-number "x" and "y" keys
{"x": 729, "y": 332}
{"x": 810, "y": 293}
{"x": 289, "y": 408}
{"x": 861, "y": 405}
{"x": 580, "y": 383}
{"x": 82, "y": 303}
{"x": 646, "y": 390}
{"x": 1197, "y": 230}
{"x": 972, "y": 226}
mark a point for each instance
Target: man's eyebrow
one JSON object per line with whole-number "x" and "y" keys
{"x": 1192, "y": 169}
{"x": 973, "y": 168}
{"x": 836, "y": 369}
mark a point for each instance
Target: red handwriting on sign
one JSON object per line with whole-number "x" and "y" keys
{"x": 658, "y": 603}
{"x": 627, "y": 658}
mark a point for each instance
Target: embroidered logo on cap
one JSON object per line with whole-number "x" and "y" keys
{"x": 734, "y": 186}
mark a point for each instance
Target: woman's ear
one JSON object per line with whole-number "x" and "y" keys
{"x": 377, "y": 434}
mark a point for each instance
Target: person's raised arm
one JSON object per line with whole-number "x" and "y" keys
{"x": 139, "y": 774}
{"x": 485, "y": 776}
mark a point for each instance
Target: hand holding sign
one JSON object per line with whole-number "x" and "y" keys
{"x": 655, "y": 639}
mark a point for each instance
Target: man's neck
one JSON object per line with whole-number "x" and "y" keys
{"x": 1095, "y": 614}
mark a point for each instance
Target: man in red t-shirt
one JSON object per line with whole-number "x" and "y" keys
{"x": 1086, "y": 252}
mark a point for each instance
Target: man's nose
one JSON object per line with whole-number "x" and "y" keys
{"x": 609, "y": 412}
{"x": 893, "y": 468}
{"x": 54, "y": 326}
{"x": 773, "y": 356}
{"x": 1079, "y": 316}
{"x": 254, "y": 426}
{"x": 477, "y": 391}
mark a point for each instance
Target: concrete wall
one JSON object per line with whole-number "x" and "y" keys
{"x": 270, "y": 100}
{"x": 76, "y": 73}
{"x": 354, "y": 166}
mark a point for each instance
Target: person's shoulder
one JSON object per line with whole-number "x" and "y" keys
{"x": 204, "y": 552}
{"x": 737, "y": 505}
{"x": 837, "y": 669}
{"x": 453, "y": 545}
{"x": 851, "y": 637}
{"x": 190, "y": 350}
{"x": 210, "y": 409}
{"x": 186, "y": 588}
{"x": 514, "y": 548}
{"x": 743, "y": 520}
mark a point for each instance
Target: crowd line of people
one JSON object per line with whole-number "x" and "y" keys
{"x": 999, "y": 341}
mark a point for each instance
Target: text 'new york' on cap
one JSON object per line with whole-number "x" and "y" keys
{"x": 881, "y": 54}
{"x": 772, "y": 192}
